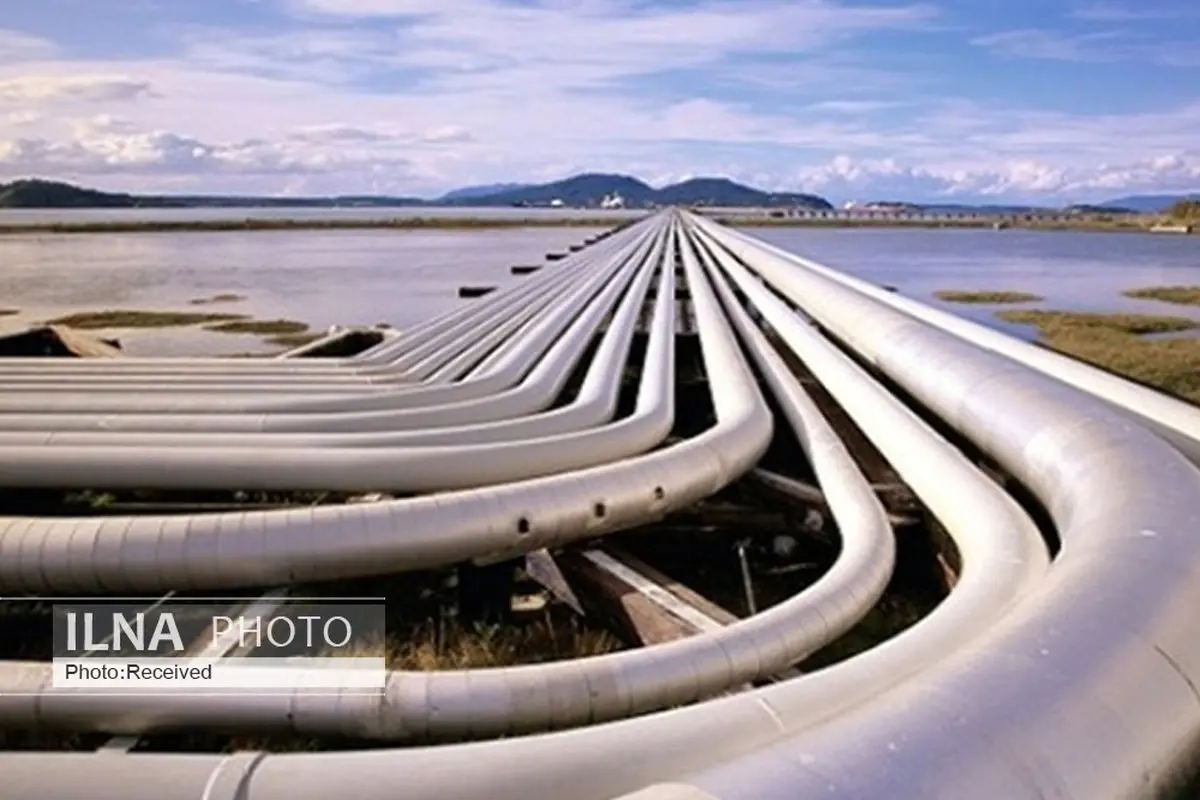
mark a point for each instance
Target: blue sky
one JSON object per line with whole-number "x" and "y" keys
{"x": 1026, "y": 100}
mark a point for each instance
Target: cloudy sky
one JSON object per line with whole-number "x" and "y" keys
{"x": 1042, "y": 100}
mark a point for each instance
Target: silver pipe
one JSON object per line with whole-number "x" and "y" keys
{"x": 697, "y": 734}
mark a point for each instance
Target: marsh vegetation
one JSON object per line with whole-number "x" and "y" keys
{"x": 1118, "y": 342}
{"x": 986, "y": 297}
{"x": 124, "y": 318}
{"x": 1179, "y": 295}
{"x": 262, "y": 327}
{"x": 223, "y": 297}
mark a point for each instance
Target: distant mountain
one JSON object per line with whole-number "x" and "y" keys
{"x": 587, "y": 190}
{"x": 473, "y": 192}
{"x": 724, "y": 192}
{"x": 1149, "y": 203}
{"x": 580, "y": 190}
{"x": 34, "y": 193}
{"x": 590, "y": 189}
{"x": 31, "y": 193}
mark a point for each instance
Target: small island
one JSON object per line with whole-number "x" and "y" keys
{"x": 1179, "y": 295}
{"x": 986, "y": 297}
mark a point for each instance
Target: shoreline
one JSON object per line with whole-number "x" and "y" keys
{"x": 221, "y": 225}
{"x": 1079, "y": 226}
{"x": 479, "y": 223}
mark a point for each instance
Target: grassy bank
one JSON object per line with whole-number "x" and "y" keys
{"x": 124, "y": 318}
{"x": 290, "y": 340}
{"x": 986, "y": 297}
{"x": 1116, "y": 342}
{"x": 286, "y": 333}
{"x": 1179, "y": 295}
{"x": 417, "y": 223}
{"x": 261, "y": 327}
{"x": 1101, "y": 226}
{"x": 224, "y": 297}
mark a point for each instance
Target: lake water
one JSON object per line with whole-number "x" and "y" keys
{"x": 1074, "y": 271}
{"x": 347, "y": 277}
{"x": 400, "y": 277}
{"x": 28, "y": 216}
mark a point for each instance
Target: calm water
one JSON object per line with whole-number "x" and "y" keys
{"x": 319, "y": 277}
{"x": 401, "y": 277}
{"x": 26, "y": 216}
{"x": 1073, "y": 271}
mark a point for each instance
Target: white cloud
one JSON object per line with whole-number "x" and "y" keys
{"x": 73, "y": 88}
{"x": 431, "y": 94}
{"x": 18, "y": 46}
{"x": 447, "y": 134}
{"x": 20, "y": 118}
{"x": 1027, "y": 180}
{"x": 475, "y": 45}
{"x": 1052, "y": 45}
{"x": 1110, "y": 46}
{"x": 1116, "y": 12}
{"x": 852, "y": 106}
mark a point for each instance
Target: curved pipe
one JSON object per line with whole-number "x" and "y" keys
{"x": 535, "y": 389}
{"x": 409, "y": 469}
{"x": 1038, "y": 705}
{"x": 594, "y": 404}
{"x": 1174, "y": 419}
{"x": 252, "y": 548}
{"x": 364, "y": 363}
{"x": 493, "y": 702}
{"x": 495, "y": 373}
{"x": 1007, "y": 558}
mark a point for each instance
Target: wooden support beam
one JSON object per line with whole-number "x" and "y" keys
{"x": 649, "y": 606}
{"x": 804, "y": 495}
{"x": 652, "y": 607}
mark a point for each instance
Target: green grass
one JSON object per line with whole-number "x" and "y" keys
{"x": 291, "y": 340}
{"x": 986, "y": 297}
{"x": 96, "y": 320}
{"x": 1179, "y": 295}
{"x": 1114, "y": 342}
{"x": 1055, "y": 322}
{"x": 263, "y": 327}
{"x": 479, "y": 646}
{"x": 224, "y": 297}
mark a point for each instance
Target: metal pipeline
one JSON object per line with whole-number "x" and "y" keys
{"x": 1026, "y": 681}
{"x": 469, "y": 347}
